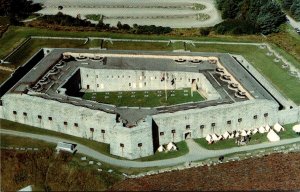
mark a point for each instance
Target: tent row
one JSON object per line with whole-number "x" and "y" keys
{"x": 211, "y": 138}
{"x": 169, "y": 147}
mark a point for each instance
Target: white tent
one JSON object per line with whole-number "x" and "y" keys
{"x": 215, "y": 137}
{"x": 254, "y": 131}
{"x": 161, "y": 148}
{"x": 248, "y": 132}
{"x": 208, "y": 138}
{"x": 296, "y": 128}
{"x": 220, "y": 137}
{"x": 231, "y": 136}
{"x": 277, "y": 127}
{"x": 272, "y": 136}
{"x": 261, "y": 130}
{"x": 244, "y": 133}
{"x": 237, "y": 134}
{"x": 267, "y": 128}
{"x": 226, "y": 135}
{"x": 171, "y": 147}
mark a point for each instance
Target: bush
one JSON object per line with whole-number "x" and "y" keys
{"x": 204, "y": 31}
{"x": 235, "y": 27}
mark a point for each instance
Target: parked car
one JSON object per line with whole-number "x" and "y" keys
{"x": 63, "y": 146}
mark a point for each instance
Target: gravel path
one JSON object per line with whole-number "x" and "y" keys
{"x": 196, "y": 152}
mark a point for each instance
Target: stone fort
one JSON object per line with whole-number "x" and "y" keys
{"x": 46, "y": 92}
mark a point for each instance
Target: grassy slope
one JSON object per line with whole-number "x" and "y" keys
{"x": 31, "y": 47}
{"x": 97, "y": 146}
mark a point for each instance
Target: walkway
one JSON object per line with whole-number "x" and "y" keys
{"x": 196, "y": 152}
{"x": 293, "y": 22}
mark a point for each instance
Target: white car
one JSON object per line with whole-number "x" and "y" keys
{"x": 63, "y": 146}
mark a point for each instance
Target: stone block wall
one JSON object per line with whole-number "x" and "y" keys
{"x": 61, "y": 117}
{"x": 101, "y": 80}
{"x": 133, "y": 142}
{"x": 198, "y": 123}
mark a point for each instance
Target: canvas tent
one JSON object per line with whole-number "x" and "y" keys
{"x": 296, "y": 128}
{"x": 161, "y": 148}
{"x": 171, "y": 147}
{"x": 208, "y": 138}
{"x": 277, "y": 127}
{"x": 254, "y": 131}
{"x": 215, "y": 137}
{"x": 261, "y": 130}
{"x": 226, "y": 135}
{"x": 267, "y": 128}
{"x": 272, "y": 136}
{"x": 244, "y": 133}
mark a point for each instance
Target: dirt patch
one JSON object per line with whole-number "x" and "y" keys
{"x": 273, "y": 172}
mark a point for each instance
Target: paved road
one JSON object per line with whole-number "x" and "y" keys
{"x": 293, "y": 23}
{"x": 196, "y": 152}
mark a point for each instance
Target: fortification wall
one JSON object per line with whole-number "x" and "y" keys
{"x": 289, "y": 116}
{"x": 61, "y": 117}
{"x": 215, "y": 119}
{"x": 133, "y": 142}
{"x": 101, "y": 80}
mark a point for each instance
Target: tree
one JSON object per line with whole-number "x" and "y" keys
{"x": 286, "y": 4}
{"x": 18, "y": 9}
{"x": 119, "y": 25}
{"x": 295, "y": 9}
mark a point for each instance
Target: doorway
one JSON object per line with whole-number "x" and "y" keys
{"x": 188, "y": 135}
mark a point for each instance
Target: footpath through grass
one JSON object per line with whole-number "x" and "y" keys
{"x": 144, "y": 98}
{"x": 255, "y": 139}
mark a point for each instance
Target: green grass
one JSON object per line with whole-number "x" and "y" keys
{"x": 15, "y": 35}
{"x": 255, "y": 139}
{"x": 198, "y": 6}
{"x": 97, "y": 146}
{"x": 94, "y": 17}
{"x": 16, "y": 141}
{"x": 182, "y": 150}
{"x": 32, "y": 46}
{"x": 4, "y": 75}
{"x": 153, "y": 46}
{"x": 177, "y": 46}
{"x": 140, "y": 98}
{"x": 289, "y": 86}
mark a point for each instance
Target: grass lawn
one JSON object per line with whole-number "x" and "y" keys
{"x": 182, "y": 150}
{"x": 32, "y": 46}
{"x": 144, "y": 98}
{"x": 15, "y": 35}
{"x": 97, "y": 146}
{"x": 94, "y": 17}
{"x": 15, "y": 141}
{"x": 4, "y": 75}
{"x": 255, "y": 139}
{"x": 286, "y": 84}
{"x": 123, "y": 45}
